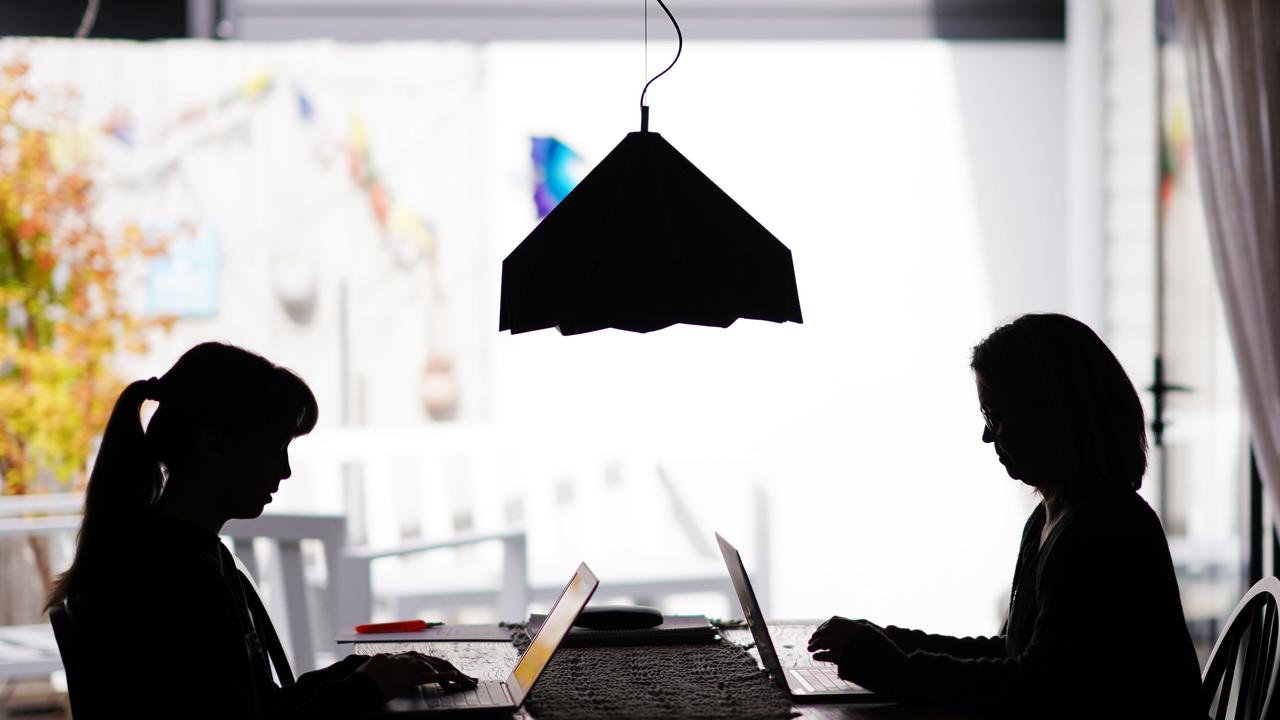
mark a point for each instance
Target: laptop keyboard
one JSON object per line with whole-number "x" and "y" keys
{"x": 486, "y": 694}
{"x": 825, "y": 679}
{"x": 801, "y": 660}
{"x": 791, "y": 642}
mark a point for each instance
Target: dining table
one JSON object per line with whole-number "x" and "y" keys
{"x": 494, "y": 661}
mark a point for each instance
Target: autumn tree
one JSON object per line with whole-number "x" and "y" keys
{"x": 62, "y": 318}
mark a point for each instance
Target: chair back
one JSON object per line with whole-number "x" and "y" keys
{"x": 1240, "y": 678}
{"x": 64, "y": 632}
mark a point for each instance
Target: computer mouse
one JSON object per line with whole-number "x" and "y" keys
{"x": 618, "y": 617}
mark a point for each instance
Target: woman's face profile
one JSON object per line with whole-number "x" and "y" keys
{"x": 1001, "y": 428}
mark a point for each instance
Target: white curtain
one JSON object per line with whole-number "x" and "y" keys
{"x": 1234, "y": 66}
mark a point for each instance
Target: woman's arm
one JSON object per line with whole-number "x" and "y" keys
{"x": 1053, "y": 663}
{"x": 863, "y": 644}
{"x": 1095, "y": 646}
{"x": 910, "y": 641}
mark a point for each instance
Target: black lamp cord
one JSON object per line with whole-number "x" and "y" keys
{"x": 644, "y": 109}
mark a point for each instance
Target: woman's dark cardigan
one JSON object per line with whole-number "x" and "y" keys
{"x": 1095, "y": 628}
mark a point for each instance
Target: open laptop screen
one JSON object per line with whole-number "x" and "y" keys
{"x": 572, "y": 599}
{"x": 751, "y": 609}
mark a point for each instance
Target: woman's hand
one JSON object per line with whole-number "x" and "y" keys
{"x": 396, "y": 674}
{"x": 861, "y": 651}
{"x": 838, "y": 635}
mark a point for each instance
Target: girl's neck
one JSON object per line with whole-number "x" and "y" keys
{"x": 175, "y": 502}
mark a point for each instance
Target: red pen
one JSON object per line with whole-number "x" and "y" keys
{"x": 397, "y": 626}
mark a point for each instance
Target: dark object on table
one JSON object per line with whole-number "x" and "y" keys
{"x": 674, "y": 630}
{"x": 618, "y": 617}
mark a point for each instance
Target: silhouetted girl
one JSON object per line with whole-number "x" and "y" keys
{"x": 1095, "y": 625}
{"x": 167, "y": 625}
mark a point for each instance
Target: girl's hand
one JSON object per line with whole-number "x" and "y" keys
{"x": 396, "y": 674}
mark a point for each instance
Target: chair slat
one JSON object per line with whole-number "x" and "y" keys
{"x": 1228, "y": 674}
{"x": 1272, "y": 637}
{"x": 1249, "y": 670}
{"x": 1260, "y": 668}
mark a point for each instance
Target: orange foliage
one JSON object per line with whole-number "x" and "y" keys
{"x": 62, "y": 319}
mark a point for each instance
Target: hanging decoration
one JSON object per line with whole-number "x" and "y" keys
{"x": 409, "y": 236}
{"x": 643, "y": 242}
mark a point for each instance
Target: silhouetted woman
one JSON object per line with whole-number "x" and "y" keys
{"x": 167, "y": 625}
{"x": 1095, "y": 625}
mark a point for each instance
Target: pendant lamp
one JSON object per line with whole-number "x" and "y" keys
{"x": 645, "y": 241}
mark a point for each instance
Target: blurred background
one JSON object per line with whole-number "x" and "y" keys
{"x": 334, "y": 184}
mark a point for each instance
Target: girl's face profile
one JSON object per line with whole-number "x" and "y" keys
{"x": 254, "y": 466}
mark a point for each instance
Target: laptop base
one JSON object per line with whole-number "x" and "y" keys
{"x": 489, "y": 698}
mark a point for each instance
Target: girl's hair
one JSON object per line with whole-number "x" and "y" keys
{"x": 1076, "y": 399}
{"x": 213, "y": 386}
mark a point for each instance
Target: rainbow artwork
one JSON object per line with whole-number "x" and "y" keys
{"x": 555, "y": 170}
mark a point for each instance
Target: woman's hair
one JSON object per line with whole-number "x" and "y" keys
{"x": 1074, "y": 398}
{"x": 213, "y": 386}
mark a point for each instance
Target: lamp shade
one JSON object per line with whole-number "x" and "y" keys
{"x": 645, "y": 241}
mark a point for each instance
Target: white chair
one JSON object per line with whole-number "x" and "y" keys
{"x": 1240, "y": 676}
{"x": 349, "y": 575}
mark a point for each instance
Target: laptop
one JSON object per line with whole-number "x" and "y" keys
{"x": 503, "y": 698}
{"x": 817, "y": 682}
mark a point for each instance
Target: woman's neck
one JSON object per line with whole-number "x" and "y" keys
{"x": 1053, "y": 508}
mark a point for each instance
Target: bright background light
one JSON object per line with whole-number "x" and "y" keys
{"x": 919, "y": 186}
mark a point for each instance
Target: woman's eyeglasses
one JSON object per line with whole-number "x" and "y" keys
{"x": 993, "y": 422}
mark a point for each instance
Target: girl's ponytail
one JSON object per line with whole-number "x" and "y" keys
{"x": 125, "y": 482}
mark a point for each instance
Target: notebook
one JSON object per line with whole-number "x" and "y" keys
{"x": 674, "y": 630}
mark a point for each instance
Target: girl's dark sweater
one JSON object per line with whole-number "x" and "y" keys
{"x": 162, "y": 633}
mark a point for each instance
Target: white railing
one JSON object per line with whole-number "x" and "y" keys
{"x": 645, "y": 525}
{"x": 455, "y": 515}
{"x": 29, "y": 650}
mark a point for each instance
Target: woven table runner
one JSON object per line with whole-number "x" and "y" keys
{"x": 709, "y": 681}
